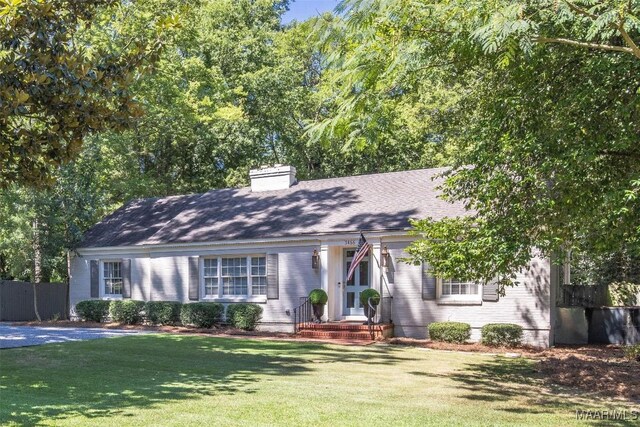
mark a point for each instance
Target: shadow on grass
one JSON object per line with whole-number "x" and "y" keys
{"x": 118, "y": 376}
{"x": 503, "y": 380}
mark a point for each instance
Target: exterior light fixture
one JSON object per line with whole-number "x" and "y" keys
{"x": 315, "y": 260}
{"x": 384, "y": 257}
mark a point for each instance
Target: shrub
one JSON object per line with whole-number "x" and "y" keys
{"x": 632, "y": 352}
{"x": 244, "y": 316}
{"x": 456, "y": 332}
{"x": 92, "y": 310}
{"x": 201, "y": 314}
{"x": 501, "y": 334}
{"x": 369, "y": 293}
{"x": 127, "y": 311}
{"x": 318, "y": 296}
{"x": 163, "y": 312}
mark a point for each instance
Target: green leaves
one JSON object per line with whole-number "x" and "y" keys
{"x": 59, "y": 83}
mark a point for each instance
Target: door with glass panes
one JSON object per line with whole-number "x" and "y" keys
{"x": 358, "y": 283}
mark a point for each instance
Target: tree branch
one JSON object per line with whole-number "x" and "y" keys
{"x": 633, "y": 47}
{"x": 589, "y": 45}
{"x": 580, "y": 10}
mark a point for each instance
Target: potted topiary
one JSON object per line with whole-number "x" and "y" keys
{"x": 318, "y": 298}
{"x": 369, "y": 296}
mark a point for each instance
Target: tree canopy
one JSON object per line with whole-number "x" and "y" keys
{"x": 542, "y": 121}
{"x": 58, "y": 85}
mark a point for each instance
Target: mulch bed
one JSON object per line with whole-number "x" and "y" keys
{"x": 600, "y": 369}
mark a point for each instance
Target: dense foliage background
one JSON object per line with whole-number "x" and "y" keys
{"x": 541, "y": 97}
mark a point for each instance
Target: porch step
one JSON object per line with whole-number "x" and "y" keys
{"x": 345, "y": 331}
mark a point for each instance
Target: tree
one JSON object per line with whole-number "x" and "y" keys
{"x": 57, "y": 86}
{"x": 544, "y": 130}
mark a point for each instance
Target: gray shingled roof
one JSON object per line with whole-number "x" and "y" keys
{"x": 377, "y": 202}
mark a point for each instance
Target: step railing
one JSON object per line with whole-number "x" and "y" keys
{"x": 302, "y": 315}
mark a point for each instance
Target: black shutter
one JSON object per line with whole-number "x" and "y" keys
{"x": 126, "y": 278}
{"x": 194, "y": 278}
{"x": 94, "y": 269}
{"x": 428, "y": 283}
{"x": 491, "y": 291}
{"x": 272, "y": 277}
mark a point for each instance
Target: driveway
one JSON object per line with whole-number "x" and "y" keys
{"x": 24, "y": 336}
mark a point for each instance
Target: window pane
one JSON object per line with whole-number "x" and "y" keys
{"x": 258, "y": 266}
{"x": 455, "y": 287}
{"x": 350, "y": 282}
{"x": 259, "y": 285}
{"x": 112, "y": 274}
{"x": 211, "y": 286}
{"x": 210, "y": 267}
{"x": 234, "y": 276}
{"x": 364, "y": 273}
{"x": 351, "y": 299}
{"x": 259, "y": 275}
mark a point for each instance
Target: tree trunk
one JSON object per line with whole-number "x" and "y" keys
{"x": 37, "y": 265}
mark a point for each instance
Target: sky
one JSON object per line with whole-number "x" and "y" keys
{"x": 301, "y": 10}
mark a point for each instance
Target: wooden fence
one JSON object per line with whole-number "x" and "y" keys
{"x": 582, "y": 296}
{"x": 16, "y": 301}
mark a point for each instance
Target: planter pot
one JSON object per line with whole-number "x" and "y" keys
{"x": 318, "y": 312}
{"x": 370, "y": 312}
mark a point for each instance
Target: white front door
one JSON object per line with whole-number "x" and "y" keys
{"x": 358, "y": 283}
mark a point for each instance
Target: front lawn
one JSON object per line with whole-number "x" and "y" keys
{"x": 192, "y": 380}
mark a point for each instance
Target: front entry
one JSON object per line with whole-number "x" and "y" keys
{"x": 358, "y": 283}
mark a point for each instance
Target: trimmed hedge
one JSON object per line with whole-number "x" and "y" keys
{"x": 369, "y": 293}
{"x": 201, "y": 314}
{"x": 126, "y": 311}
{"x": 456, "y": 332}
{"x": 318, "y": 296}
{"x": 501, "y": 334}
{"x": 92, "y": 310}
{"x": 244, "y": 316}
{"x": 163, "y": 312}
{"x": 632, "y": 352}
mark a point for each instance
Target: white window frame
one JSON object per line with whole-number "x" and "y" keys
{"x": 249, "y": 297}
{"x": 102, "y": 293}
{"x": 469, "y": 299}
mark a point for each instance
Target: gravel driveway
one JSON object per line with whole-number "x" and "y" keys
{"x": 24, "y": 336}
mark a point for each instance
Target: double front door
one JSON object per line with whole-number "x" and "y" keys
{"x": 360, "y": 281}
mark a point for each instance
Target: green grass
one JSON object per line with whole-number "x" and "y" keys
{"x": 189, "y": 380}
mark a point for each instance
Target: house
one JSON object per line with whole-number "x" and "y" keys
{"x": 273, "y": 242}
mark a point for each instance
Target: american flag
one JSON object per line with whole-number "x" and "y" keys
{"x": 362, "y": 250}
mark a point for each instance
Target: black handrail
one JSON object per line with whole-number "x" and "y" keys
{"x": 302, "y": 315}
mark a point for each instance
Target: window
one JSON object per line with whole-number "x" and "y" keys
{"x": 211, "y": 277}
{"x": 452, "y": 287}
{"x": 112, "y": 277}
{"x": 452, "y": 291}
{"x": 259, "y": 275}
{"x": 236, "y": 278}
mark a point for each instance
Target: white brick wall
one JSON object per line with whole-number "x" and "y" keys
{"x": 527, "y": 305}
